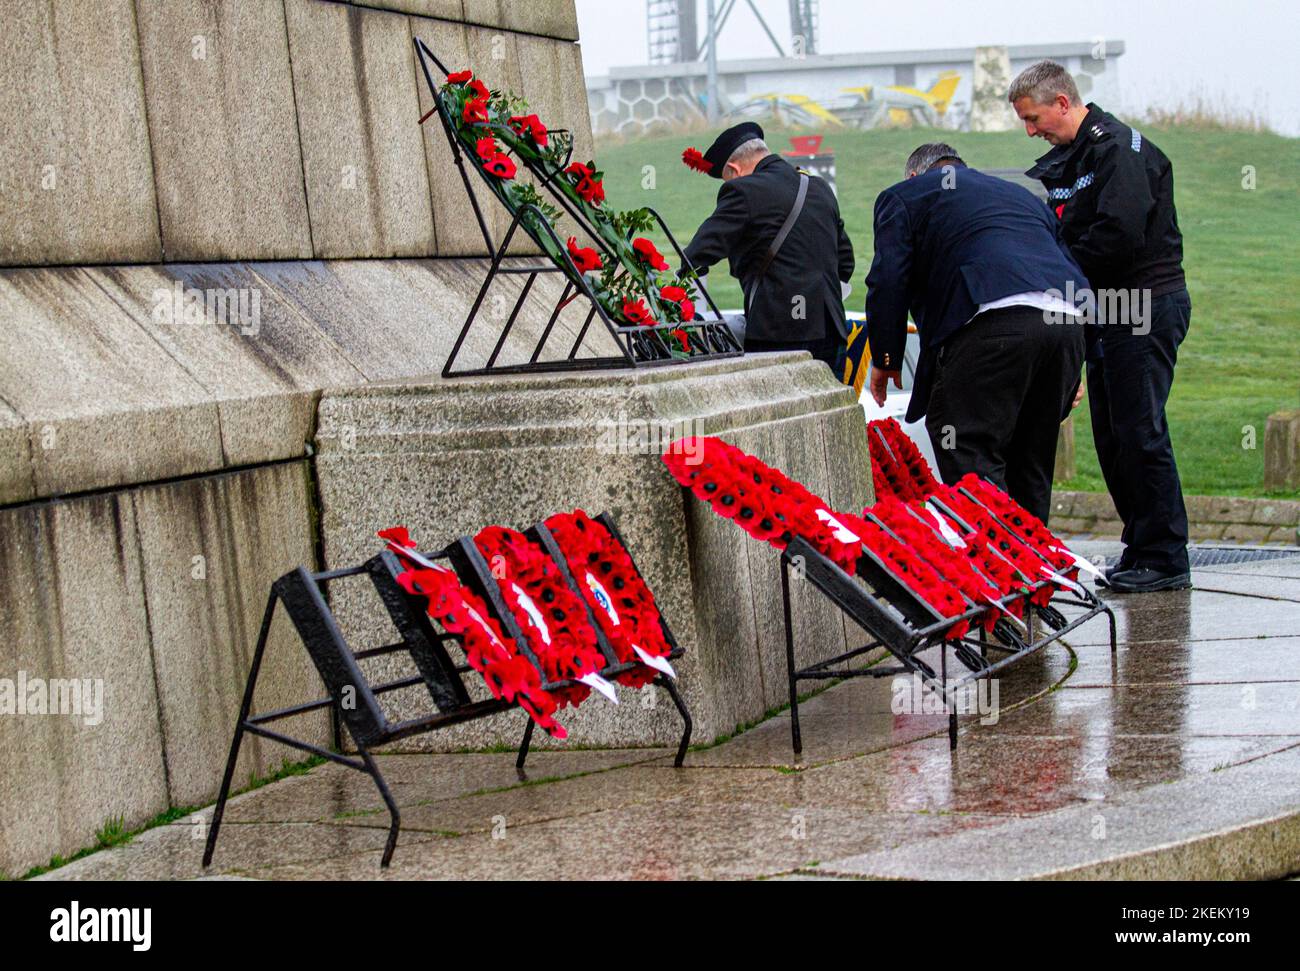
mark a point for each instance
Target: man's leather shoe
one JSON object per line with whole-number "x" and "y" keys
{"x": 1109, "y": 572}
{"x": 1143, "y": 579}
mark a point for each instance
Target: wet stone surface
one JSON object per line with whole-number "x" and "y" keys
{"x": 1205, "y": 686}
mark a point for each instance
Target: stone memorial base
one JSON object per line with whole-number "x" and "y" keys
{"x": 446, "y": 459}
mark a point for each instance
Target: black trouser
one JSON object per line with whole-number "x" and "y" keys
{"x": 1130, "y": 374}
{"x": 829, "y": 350}
{"x": 1003, "y": 384}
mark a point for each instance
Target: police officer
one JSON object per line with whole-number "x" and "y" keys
{"x": 782, "y": 234}
{"x": 1113, "y": 191}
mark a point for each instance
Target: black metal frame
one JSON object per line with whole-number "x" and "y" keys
{"x": 638, "y": 346}
{"x": 906, "y": 626}
{"x": 303, "y": 595}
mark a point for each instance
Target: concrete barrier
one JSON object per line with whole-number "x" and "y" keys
{"x": 153, "y": 595}
{"x": 75, "y": 167}
{"x": 157, "y": 418}
{"x": 256, "y": 130}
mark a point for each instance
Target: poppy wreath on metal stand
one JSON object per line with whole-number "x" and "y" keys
{"x": 998, "y": 569}
{"x": 913, "y": 571}
{"x": 620, "y": 601}
{"x": 762, "y": 501}
{"x": 774, "y": 508}
{"x": 488, "y": 649}
{"x": 928, "y": 543}
{"x": 1024, "y": 559}
{"x": 1025, "y": 523}
{"x": 898, "y": 468}
{"x": 548, "y": 612}
{"x": 986, "y": 560}
{"x": 631, "y": 279}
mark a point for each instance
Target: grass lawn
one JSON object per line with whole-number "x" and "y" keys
{"x": 1240, "y": 361}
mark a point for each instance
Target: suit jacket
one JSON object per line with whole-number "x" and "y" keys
{"x": 812, "y": 261}
{"x": 947, "y": 242}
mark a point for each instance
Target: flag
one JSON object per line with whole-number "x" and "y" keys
{"x": 857, "y": 358}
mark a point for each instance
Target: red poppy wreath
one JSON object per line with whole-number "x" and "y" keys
{"x": 1024, "y": 523}
{"x": 898, "y": 468}
{"x": 547, "y": 611}
{"x": 772, "y": 507}
{"x": 488, "y": 649}
{"x": 1028, "y": 564}
{"x": 619, "y": 599}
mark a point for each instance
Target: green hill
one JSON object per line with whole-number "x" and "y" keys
{"x": 1240, "y": 362}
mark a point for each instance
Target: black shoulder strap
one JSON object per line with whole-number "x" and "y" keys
{"x": 788, "y": 225}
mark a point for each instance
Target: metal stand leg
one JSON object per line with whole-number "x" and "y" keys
{"x": 394, "y": 815}
{"x": 948, "y": 704}
{"x": 1114, "y": 640}
{"x": 668, "y": 686}
{"x": 244, "y": 709}
{"x": 795, "y": 739}
{"x": 523, "y": 746}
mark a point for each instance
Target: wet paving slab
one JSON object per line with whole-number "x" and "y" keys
{"x": 529, "y": 804}
{"x": 691, "y": 838}
{"x": 1228, "y": 661}
{"x": 1267, "y": 709}
{"x": 1194, "y": 615}
{"x": 1238, "y": 823}
{"x": 332, "y": 792}
{"x": 867, "y": 715}
{"x": 1009, "y": 775}
{"x": 1256, "y": 583}
{"x": 175, "y": 852}
{"x": 1205, "y": 685}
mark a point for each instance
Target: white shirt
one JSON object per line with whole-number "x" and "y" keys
{"x": 1040, "y": 300}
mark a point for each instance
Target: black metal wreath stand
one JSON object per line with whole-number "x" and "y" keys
{"x": 906, "y": 626}
{"x": 637, "y": 346}
{"x": 354, "y": 701}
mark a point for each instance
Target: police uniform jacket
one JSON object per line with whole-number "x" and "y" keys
{"x": 1113, "y": 191}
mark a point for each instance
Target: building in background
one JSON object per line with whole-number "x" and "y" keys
{"x": 827, "y": 91}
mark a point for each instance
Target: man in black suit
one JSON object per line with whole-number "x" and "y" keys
{"x": 980, "y": 265}
{"x": 793, "y": 297}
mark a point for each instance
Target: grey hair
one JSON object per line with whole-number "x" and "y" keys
{"x": 1042, "y": 82}
{"x": 928, "y": 156}
{"x": 755, "y": 146}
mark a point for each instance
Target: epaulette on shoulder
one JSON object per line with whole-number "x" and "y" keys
{"x": 1100, "y": 132}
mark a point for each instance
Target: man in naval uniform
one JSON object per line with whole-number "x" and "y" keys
{"x": 781, "y": 232}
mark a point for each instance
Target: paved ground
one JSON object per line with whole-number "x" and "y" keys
{"x": 1178, "y": 757}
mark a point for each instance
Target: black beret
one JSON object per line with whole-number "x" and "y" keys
{"x": 726, "y": 144}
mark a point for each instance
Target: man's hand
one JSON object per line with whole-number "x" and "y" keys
{"x": 880, "y": 383}
{"x": 1078, "y": 395}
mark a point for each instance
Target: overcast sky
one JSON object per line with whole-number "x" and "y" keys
{"x": 1239, "y": 54}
